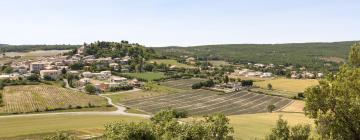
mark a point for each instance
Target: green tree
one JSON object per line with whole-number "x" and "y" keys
{"x": 300, "y": 132}
{"x": 226, "y": 79}
{"x": 354, "y": 56}
{"x": 281, "y": 131}
{"x": 48, "y": 78}
{"x": 90, "y": 89}
{"x": 129, "y": 131}
{"x": 271, "y": 108}
{"x": 33, "y": 77}
{"x": 63, "y": 71}
{"x": 269, "y": 86}
{"x": 60, "y": 136}
{"x": 334, "y": 104}
{"x": 218, "y": 126}
{"x": 165, "y": 126}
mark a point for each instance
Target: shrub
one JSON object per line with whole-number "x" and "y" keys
{"x": 60, "y": 136}
{"x": 271, "y": 108}
{"x": 90, "y": 89}
{"x": 246, "y": 82}
{"x": 196, "y": 86}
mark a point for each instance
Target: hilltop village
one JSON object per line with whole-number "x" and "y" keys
{"x": 96, "y": 64}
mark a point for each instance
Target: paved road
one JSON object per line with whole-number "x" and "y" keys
{"x": 120, "y": 110}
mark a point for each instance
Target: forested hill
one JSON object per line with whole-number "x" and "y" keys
{"x": 26, "y": 48}
{"x": 313, "y": 55}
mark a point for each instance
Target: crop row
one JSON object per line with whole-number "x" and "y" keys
{"x": 201, "y": 102}
{"x": 33, "y": 98}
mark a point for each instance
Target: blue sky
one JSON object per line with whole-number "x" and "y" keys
{"x": 178, "y": 22}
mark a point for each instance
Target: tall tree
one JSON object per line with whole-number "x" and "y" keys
{"x": 335, "y": 102}
{"x": 354, "y": 56}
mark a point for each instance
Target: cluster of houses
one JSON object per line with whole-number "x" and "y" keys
{"x": 251, "y": 73}
{"x": 53, "y": 66}
{"x": 306, "y": 75}
{"x": 105, "y": 81}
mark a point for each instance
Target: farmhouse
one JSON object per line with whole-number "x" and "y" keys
{"x": 115, "y": 79}
{"x": 101, "y": 75}
{"x": 54, "y": 74}
{"x": 114, "y": 66}
{"x": 37, "y": 66}
{"x": 266, "y": 75}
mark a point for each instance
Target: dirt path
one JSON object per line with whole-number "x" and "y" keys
{"x": 120, "y": 110}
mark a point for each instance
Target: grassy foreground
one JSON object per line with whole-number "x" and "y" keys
{"x": 248, "y": 126}
{"x": 17, "y": 126}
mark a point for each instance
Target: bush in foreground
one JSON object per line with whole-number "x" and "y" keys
{"x": 165, "y": 126}
{"x": 283, "y": 131}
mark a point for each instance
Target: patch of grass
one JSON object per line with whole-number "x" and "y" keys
{"x": 149, "y": 76}
{"x": 17, "y": 126}
{"x": 292, "y": 85}
{"x": 171, "y": 62}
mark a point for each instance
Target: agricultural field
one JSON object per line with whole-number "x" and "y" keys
{"x": 36, "y": 98}
{"x": 201, "y": 102}
{"x": 171, "y": 62}
{"x": 12, "y": 127}
{"x": 291, "y": 85}
{"x": 147, "y": 75}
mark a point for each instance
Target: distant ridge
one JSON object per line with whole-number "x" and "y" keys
{"x": 313, "y": 55}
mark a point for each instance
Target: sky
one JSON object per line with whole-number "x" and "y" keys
{"x": 178, "y": 22}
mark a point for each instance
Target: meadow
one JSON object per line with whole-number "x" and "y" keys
{"x": 291, "y": 85}
{"x": 37, "y": 98}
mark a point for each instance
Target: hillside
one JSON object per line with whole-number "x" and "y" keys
{"x": 312, "y": 55}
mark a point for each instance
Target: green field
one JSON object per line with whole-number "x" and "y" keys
{"x": 171, "y": 62}
{"x": 147, "y": 75}
{"x": 17, "y": 126}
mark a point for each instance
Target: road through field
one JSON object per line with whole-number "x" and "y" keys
{"x": 119, "y": 111}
